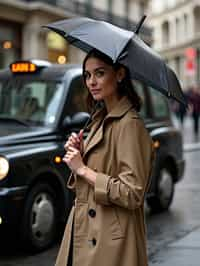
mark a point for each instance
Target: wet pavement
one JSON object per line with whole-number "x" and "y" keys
{"x": 177, "y": 241}
{"x": 173, "y": 236}
{"x": 168, "y": 233}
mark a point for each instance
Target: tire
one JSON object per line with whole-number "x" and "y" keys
{"x": 164, "y": 191}
{"x": 39, "y": 221}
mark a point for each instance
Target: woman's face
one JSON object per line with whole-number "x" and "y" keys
{"x": 101, "y": 79}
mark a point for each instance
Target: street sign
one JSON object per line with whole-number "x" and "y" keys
{"x": 190, "y": 61}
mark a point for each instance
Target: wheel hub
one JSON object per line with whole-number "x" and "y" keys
{"x": 42, "y": 216}
{"x": 165, "y": 186}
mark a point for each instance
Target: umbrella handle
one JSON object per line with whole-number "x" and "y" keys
{"x": 139, "y": 25}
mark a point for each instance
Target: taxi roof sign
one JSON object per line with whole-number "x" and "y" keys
{"x": 23, "y": 67}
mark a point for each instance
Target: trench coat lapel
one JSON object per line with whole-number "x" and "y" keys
{"x": 96, "y": 134}
{"x": 90, "y": 141}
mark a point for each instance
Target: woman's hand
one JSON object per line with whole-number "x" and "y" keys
{"x": 75, "y": 141}
{"x": 74, "y": 160}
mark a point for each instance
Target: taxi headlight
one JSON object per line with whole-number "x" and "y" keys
{"x": 4, "y": 167}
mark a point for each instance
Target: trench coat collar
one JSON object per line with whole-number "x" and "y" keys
{"x": 122, "y": 107}
{"x": 119, "y": 110}
{"x": 100, "y": 118}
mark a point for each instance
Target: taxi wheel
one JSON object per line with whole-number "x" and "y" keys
{"x": 40, "y": 218}
{"x": 164, "y": 192}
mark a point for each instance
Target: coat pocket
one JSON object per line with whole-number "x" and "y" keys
{"x": 116, "y": 226}
{"x": 81, "y": 223}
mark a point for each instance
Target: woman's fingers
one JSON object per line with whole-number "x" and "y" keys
{"x": 73, "y": 158}
{"x": 73, "y": 141}
{"x": 71, "y": 153}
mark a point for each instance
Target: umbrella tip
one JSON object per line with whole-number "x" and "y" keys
{"x": 139, "y": 25}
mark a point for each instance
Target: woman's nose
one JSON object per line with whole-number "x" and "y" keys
{"x": 92, "y": 80}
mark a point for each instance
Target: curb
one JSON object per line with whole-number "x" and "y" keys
{"x": 191, "y": 147}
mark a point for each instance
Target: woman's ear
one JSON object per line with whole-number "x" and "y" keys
{"x": 121, "y": 73}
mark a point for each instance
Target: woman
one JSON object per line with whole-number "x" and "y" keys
{"x": 111, "y": 173}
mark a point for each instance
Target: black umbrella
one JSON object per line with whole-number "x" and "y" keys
{"x": 124, "y": 47}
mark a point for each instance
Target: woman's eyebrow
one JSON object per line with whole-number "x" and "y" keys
{"x": 96, "y": 69}
{"x": 99, "y": 68}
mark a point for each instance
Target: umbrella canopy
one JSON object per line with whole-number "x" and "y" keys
{"x": 124, "y": 47}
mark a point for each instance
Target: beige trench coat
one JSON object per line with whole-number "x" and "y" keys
{"x": 109, "y": 226}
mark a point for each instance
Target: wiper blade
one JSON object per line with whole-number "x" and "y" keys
{"x": 11, "y": 119}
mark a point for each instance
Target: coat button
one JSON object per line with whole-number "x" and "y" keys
{"x": 92, "y": 213}
{"x": 94, "y": 241}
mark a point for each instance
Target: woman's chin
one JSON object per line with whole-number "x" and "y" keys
{"x": 97, "y": 97}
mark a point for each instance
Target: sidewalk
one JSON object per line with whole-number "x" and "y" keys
{"x": 191, "y": 143}
{"x": 183, "y": 252}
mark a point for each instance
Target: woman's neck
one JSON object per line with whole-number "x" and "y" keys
{"x": 111, "y": 102}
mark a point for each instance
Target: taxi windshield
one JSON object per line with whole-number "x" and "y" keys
{"x": 32, "y": 102}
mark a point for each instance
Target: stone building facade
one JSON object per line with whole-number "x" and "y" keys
{"x": 176, "y": 36}
{"x": 22, "y": 37}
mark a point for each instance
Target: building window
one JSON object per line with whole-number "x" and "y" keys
{"x": 110, "y": 9}
{"x": 177, "y": 66}
{"x": 142, "y": 8}
{"x": 57, "y": 48}
{"x": 10, "y": 43}
{"x": 89, "y": 7}
{"x": 165, "y": 33}
{"x": 127, "y": 8}
{"x": 185, "y": 25}
{"x": 178, "y": 29}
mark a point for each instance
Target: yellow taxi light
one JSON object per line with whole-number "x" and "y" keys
{"x": 57, "y": 159}
{"x": 156, "y": 144}
{"x": 23, "y": 67}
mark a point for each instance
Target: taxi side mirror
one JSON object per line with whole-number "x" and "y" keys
{"x": 75, "y": 122}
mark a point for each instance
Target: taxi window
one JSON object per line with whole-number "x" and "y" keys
{"x": 139, "y": 88}
{"x": 31, "y": 101}
{"x": 77, "y": 97}
{"x": 160, "y": 105}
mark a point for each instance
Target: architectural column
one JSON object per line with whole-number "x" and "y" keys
{"x": 157, "y": 35}
{"x": 172, "y": 32}
{"x": 191, "y": 24}
{"x": 34, "y": 44}
{"x": 182, "y": 28}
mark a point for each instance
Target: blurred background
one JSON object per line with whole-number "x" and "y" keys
{"x": 171, "y": 27}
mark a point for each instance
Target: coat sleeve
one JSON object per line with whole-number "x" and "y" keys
{"x": 133, "y": 163}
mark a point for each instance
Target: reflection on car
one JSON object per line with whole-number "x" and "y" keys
{"x": 40, "y": 105}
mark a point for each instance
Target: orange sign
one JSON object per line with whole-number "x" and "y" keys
{"x": 23, "y": 67}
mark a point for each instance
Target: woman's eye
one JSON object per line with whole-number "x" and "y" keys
{"x": 86, "y": 76}
{"x": 99, "y": 73}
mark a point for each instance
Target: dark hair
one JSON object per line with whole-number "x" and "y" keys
{"x": 125, "y": 87}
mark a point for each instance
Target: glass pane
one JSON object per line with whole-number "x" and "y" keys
{"x": 77, "y": 98}
{"x": 32, "y": 101}
{"x": 159, "y": 104}
{"x": 140, "y": 91}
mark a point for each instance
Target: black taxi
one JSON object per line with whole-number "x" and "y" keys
{"x": 40, "y": 105}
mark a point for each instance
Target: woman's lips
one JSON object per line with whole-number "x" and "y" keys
{"x": 95, "y": 91}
